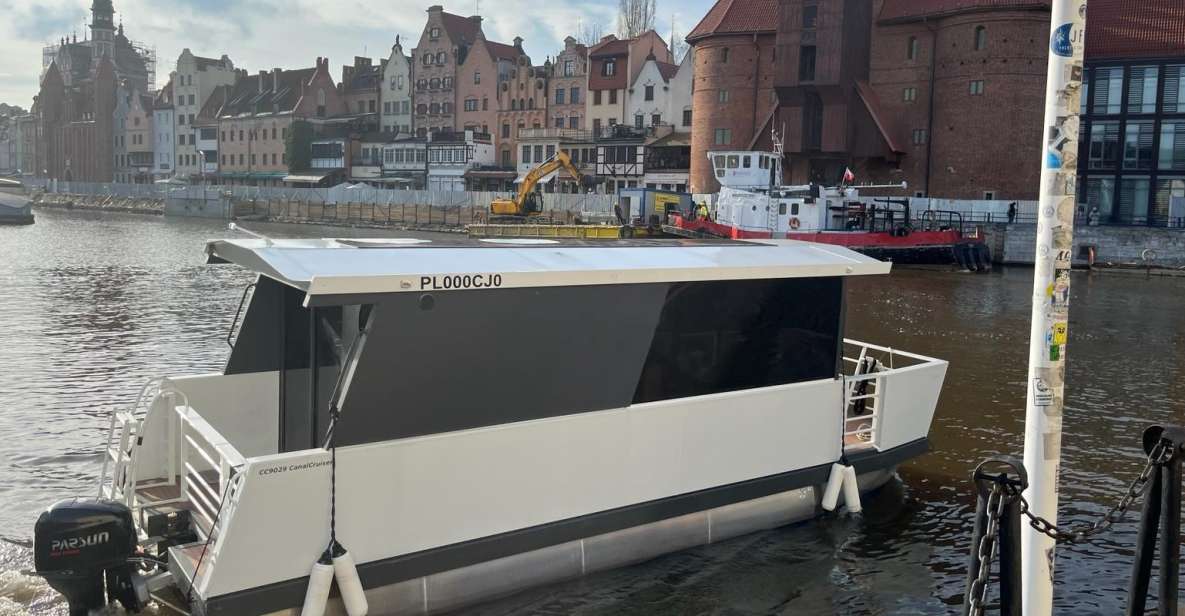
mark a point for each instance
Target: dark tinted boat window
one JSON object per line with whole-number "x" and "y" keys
{"x": 725, "y": 336}
{"x": 468, "y": 359}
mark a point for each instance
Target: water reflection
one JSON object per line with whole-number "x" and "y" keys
{"x": 92, "y": 306}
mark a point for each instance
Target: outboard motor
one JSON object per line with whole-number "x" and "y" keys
{"x": 83, "y": 546}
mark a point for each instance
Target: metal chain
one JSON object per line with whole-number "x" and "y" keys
{"x": 1160, "y": 454}
{"x": 977, "y": 594}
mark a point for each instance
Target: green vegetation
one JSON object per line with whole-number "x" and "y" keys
{"x": 299, "y": 146}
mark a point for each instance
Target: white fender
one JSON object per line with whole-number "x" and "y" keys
{"x": 317, "y": 595}
{"x": 851, "y": 490}
{"x": 834, "y": 483}
{"x": 353, "y": 595}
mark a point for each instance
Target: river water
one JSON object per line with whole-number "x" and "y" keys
{"x": 92, "y": 305}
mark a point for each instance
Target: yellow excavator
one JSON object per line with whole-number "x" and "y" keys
{"x": 526, "y": 203}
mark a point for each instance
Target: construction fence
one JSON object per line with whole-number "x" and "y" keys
{"x": 345, "y": 203}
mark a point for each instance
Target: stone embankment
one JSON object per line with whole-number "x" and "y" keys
{"x": 1115, "y": 247}
{"x": 99, "y": 203}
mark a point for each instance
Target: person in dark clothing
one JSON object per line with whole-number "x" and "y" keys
{"x": 1012, "y": 212}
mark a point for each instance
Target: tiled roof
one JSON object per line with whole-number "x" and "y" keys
{"x": 460, "y": 29}
{"x": 737, "y": 16}
{"x": 502, "y": 51}
{"x": 1116, "y": 29}
{"x": 908, "y": 10}
{"x": 615, "y": 47}
{"x": 667, "y": 70}
{"x": 247, "y": 99}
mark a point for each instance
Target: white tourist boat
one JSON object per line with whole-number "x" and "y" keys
{"x": 512, "y": 413}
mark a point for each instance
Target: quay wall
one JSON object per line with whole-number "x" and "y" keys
{"x": 1113, "y": 245}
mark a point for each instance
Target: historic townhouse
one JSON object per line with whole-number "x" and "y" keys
{"x": 360, "y": 90}
{"x": 487, "y": 65}
{"x": 443, "y": 47}
{"x": 395, "y": 93}
{"x": 614, "y": 64}
{"x": 258, "y": 113}
{"x": 569, "y": 82}
{"x": 193, "y": 82}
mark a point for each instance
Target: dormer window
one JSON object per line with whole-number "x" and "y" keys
{"x": 434, "y": 33}
{"x": 609, "y": 68}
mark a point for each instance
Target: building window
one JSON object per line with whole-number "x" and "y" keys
{"x": 434, "y": 33}
{"x": 447, "y": 83}
{"x": 1174, "y": 89}
{"x": 471, "y": 104}
{"x": 427, "y": 59}
{"x": 559, "y": 121}
{"x": 387, "y": 108}
{"x": 596, "y": 126}
{"x": 724, "y": 55}
{"x": 639, "y": 119}
{"x": 810, "y": 16}
{"x": 1137, "y": 146}
{"x": 911, "y": 49}
{"x": 609, "y": 68}
{"x": 989, "y": 195}
{"x": 655, "y": 119}
{"x": 649, "y": 94}
{"x": 1108, "y": 90}
{"x": 920, "y": 135}
{"x": 506, "y": 162}
{"x": 1104, "y": 145}
{"x": 574, "y": 122}
{"x": 575, "y": 95}
{"x": 485, "y": 104}
{"x": 569, "y": 68}
{"x": 806, "y": 63}
{"x": 612, "y": 97}
{"x": 559, "y": 96}
{"x": 687, "y": 116}
{"x": 909, "y": 95}
{"x": 539, "y": 154}
{"x": 1134, "y": 194}
{"x": 1141, "y": 89}
{"x": 1172, "y": 146}
{"x": 722, "y": 96}
{"x": 723, "y": 136}
{"x": 505, "y": 130}
{"x": 596, "y": 97}
{"x": 980, "y": 38}
{"x": 434, "y": 84}
{"x": 977, "y": 87}
{"x": 440, "y": 58}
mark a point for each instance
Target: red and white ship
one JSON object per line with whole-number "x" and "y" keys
{"x": 754, "y": 204}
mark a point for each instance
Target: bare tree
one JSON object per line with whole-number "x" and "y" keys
{"x": 634, "y": 17}
{"x": 679, "y": 46}
{"x": 589, "y": 33}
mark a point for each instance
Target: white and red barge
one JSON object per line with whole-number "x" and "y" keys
{"x": 754, "y": 204}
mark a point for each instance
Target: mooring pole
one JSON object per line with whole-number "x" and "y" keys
{"x": 1051, "y": 295}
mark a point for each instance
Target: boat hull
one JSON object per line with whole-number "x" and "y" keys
{"x": 914, "y": 248}
{"x": 458, "y": 587}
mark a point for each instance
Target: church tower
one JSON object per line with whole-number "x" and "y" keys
{"x": 103, "y": 28}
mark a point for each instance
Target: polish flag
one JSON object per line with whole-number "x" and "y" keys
{"x": 848, "y": 176}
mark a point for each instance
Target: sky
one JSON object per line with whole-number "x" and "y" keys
{"x": 265, "y": 34}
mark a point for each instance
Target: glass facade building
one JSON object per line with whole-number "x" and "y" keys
{"x": 1132, "y": 157}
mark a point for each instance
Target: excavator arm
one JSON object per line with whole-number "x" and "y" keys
{"x": 518, "y": 207}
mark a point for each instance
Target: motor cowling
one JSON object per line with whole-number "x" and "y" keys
{"x": 83, "y": 547}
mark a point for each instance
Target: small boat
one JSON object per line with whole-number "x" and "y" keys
{"x": 15, "y": 210}
{"x": 470, "y": 418}
{"x": 754, "y": 204}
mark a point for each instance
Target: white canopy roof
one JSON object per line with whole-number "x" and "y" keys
{"x": 329, "y": 267}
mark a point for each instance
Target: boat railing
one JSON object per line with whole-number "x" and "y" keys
{"x": 869, "y": 369}
{"x": 197, "y": 463}
{"x": 208, "y": 465}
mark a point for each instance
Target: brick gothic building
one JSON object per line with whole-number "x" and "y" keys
{"x": 76, "y": 103}
{"x": 942, "y": 94}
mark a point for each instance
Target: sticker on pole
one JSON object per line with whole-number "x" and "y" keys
{"x": 1042, "y": 393}
{"x": 1062, "y": 44}
{"x": 1059, "y": 333}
